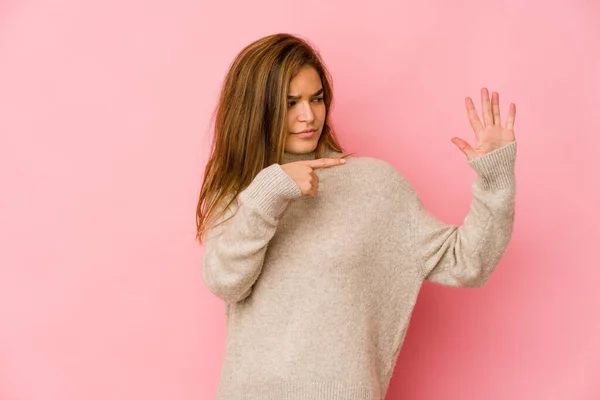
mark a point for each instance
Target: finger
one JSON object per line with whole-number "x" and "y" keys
{"x": 496, "y": 108}
{"x": 315, "y": 177}
{"x": 486, "y": 108}
{"x": 309, "y": 189}
{"x": 325, "y": 162}
{"x": 473, "y": 117}
{"x": 464, "y": 147}
{"x": 314, "y": 181}
{"x": 510, "y": 120}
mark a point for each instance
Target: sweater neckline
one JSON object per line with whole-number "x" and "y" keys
{"x": 293, "y": 157}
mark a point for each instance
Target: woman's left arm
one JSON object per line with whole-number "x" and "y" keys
{"x": 466, "y": 255}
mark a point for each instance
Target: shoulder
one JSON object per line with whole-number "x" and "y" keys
{"x": 374, "y": 166}
{"x": 378, "y": 172}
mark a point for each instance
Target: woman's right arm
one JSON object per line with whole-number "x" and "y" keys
{"x": 234, "y": 251}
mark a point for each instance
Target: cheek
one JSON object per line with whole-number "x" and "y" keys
{"x": 321, "y": 113}
{"x": 290, "y": 121}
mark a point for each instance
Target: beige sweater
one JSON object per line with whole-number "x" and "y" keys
{"x": 319, "y": 290}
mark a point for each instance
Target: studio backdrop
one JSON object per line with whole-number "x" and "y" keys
{"x": 105, "y": 123}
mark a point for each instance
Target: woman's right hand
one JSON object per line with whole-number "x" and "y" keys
{"x": 303, "y": 173}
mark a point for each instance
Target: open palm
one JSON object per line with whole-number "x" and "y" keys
{"x": 490, "y": 135}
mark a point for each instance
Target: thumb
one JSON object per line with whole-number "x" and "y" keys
{"x": 464, "y": 147}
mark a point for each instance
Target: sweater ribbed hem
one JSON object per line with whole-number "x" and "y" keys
{"x": 270, "y": 191}
{"x": 296, "y": 391}
{"x": 496, "y": 169}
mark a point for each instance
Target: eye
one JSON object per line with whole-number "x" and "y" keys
{"x": 319, "y": 99}
{"x": 291, "y": 103}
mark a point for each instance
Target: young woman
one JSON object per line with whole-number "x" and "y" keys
{"x": 319, "y": 256}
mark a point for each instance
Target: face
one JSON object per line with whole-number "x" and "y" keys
{"x": 306, "y": 111}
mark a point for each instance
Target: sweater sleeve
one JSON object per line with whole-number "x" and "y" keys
{"x": 234, "y": 251}
{"x": 466, "y": 255}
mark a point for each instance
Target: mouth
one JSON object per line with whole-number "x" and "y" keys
{"x": 308, "y": 133}
{"x": 305, "y": 133}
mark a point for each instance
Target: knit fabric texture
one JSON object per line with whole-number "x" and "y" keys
{"x": 319, "y": 290}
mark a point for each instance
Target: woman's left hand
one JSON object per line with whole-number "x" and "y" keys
{"x": 490, "y": 135}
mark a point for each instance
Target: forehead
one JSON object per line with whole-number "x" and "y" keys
{"x": 307, "y": 80}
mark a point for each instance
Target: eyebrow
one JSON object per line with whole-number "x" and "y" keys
{"x": 298, "y": 97}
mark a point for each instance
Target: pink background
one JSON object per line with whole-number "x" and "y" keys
{"x": 104, "y": 115}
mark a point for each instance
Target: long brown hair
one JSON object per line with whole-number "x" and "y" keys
{"x": 250, "y": 119}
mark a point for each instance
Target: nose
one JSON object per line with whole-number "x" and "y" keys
{"x": 306, "y": 114}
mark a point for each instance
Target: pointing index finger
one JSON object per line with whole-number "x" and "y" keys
{"x": 325, "y": 162}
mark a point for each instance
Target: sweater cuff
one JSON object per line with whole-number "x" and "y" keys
{"x": 270, "y": 191}
{"x": 496, "y": 170}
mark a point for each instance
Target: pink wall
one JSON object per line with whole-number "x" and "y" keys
{"x": 104, "y": 112}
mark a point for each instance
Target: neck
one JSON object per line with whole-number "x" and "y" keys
{"x": 293, "y": 157}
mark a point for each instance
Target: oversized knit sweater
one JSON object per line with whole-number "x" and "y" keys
{"x": 319, "y": 290}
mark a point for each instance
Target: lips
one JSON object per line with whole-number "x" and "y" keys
{"x": 306, "y": 133}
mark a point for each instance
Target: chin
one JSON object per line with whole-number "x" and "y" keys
{"x": 301, "y": 146}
